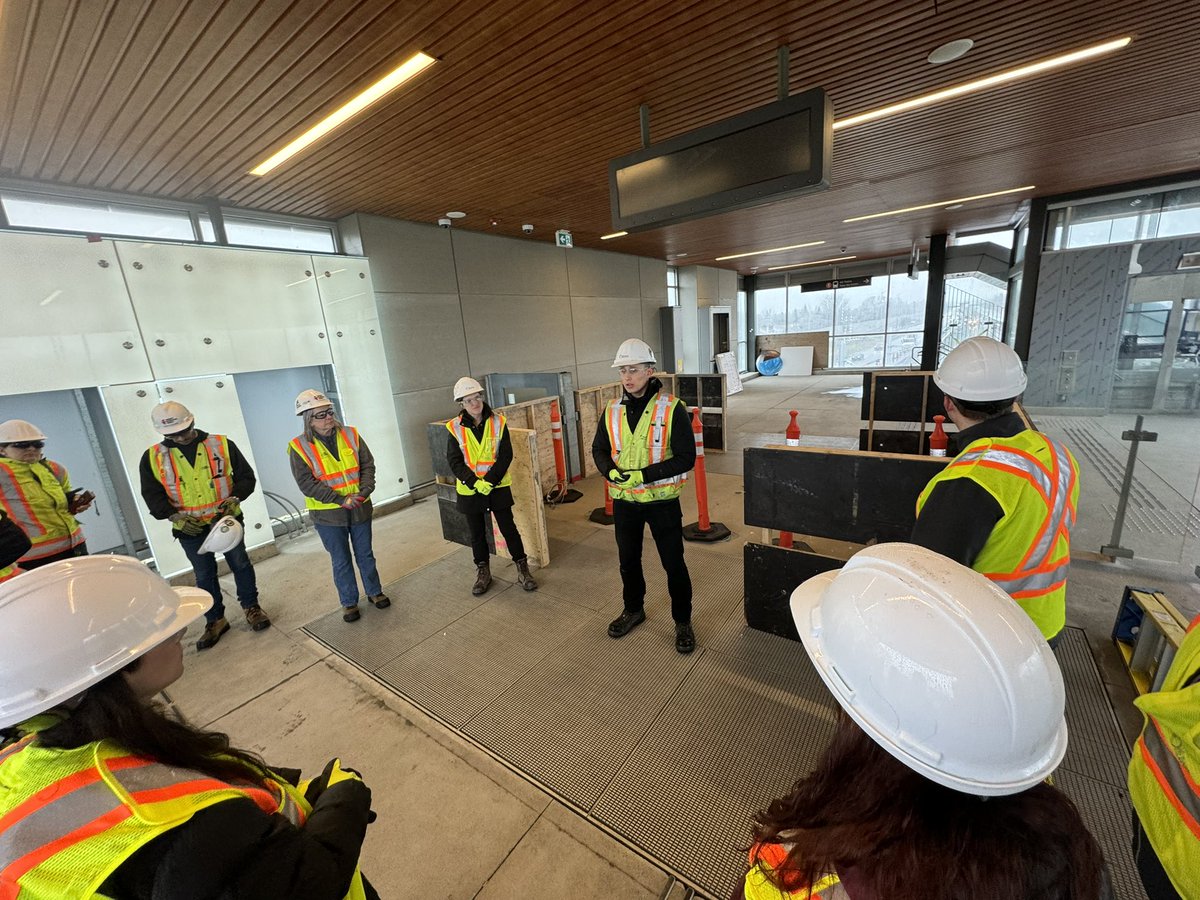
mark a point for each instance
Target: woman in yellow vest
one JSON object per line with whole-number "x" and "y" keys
{"x": 335, "y": 472}
{"x": 933, "y": 785}
{"x": 479, "y": 452}
{"x": 1164, "y": 779}
{"x": 104, "y": 795}
{"x": 36, "y": 493}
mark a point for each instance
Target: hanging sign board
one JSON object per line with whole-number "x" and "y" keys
{"x": 864, "y": 281}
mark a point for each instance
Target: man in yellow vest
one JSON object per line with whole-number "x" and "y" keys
{"x": 646, "y": 446}
{"x": 1164, "y": 779}
{"x": 1006, "y": 504}
{"x": 193, "y": 478}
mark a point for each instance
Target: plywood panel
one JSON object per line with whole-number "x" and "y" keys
{"x": 529, "y": 511}
{"x": 818, "y": 340}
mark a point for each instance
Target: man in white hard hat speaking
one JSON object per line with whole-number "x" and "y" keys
{"x": 645, "y": 444}
{"x": 1006, "y": 504}
{"x": 193, "y": 479}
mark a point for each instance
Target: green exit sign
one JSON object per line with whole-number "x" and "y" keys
{"x": 562, "y": 238}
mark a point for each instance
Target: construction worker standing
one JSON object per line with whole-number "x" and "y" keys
{"x": 193, "y": 478}
{"x": 1164, "y": 779}
{"x": 1006, "y": 504}
{"x": 102, "y": 794}
{"x": 37, "y": 495}
{"x": 335, "y": 472}
{"x": 479, "y": 452}
{"x": 645, "y": 444}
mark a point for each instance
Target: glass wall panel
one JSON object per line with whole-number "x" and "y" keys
{"x": 862, "y": 310}
{"x": 809, "y": 310}
{"x": 96, "y": 216}
{"x": 906, "y": 301}
{"x": 903, "y": 349}
{"x": 770, "y": 311}
{"x": 250, "y": 232}
{"x": 860, "y": 352}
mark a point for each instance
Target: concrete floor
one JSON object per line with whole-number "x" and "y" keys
{"x": 453, "y": 821}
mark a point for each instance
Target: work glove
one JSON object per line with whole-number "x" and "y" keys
{"x": 353, "y": 501}
{"x": 332, "y": 774}
{"x": 228, "y": 506}
{"x": 189, "y": 525}
{"x": 80, "y": 502}
{"x": 633, "y": 479}
{"x": 483, "y": 486}
{"x": 616, "y": 476}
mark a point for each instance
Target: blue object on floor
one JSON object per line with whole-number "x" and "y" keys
{"x": 768, "y": 365}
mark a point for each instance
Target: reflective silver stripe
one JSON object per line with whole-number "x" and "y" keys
{"x": 1172, "y": 770}
{"x": 1037, "y": 581}
{"x": 1012, "y": 461}
{"x": 615, "y": 411}
{"x": 1062, "y": 502}
{"x": 309, "y": 452}
{"x": 658, "y": 428}
{"x": 19, "y": 510}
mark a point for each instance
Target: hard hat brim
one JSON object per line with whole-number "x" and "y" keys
{"x": 183, "y": 426}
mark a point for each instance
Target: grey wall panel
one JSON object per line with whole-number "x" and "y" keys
{"x": 423, "y": 338}
{"x": 414, "y": 411}
{"x": 408, "y": 257}
{"x": 653, "y": 274}
{"x": 518, "y": 334}
{"x": 595, "y": 273}
{"x": 592, "y": 374}
{"x": 726, "y": 287}
{"x": 1040, "y": 366}
{"x": 601, "y": 323}
{"x": 495, "y": 265}
{"x": 708, "y": 291}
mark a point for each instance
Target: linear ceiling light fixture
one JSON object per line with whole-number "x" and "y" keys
{"x": 615, "y": 234}
{"x": 970, "y": 87}
{"x": 940, "y": 203}
{"x": 380, "y": 89}
{"x": 815, "y": 262}
{"x": 772, "y": 250}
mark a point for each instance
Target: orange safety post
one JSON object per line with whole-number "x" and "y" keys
{"x": 938, "y": 441}
{"x": 560, "y": 493}
{"x": 603, "y": 516}
{"x": 703, "y": 530}
{"x": 791, "y": 436}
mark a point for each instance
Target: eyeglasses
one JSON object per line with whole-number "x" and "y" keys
{"x": 632, "y": 370}
{"x": 473, "y": 398}
{"x": 323, "y": 414}
{"x": 28, "y": 445}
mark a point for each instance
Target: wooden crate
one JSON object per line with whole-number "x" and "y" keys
{"x": 590, "y": 404}
{"x": 534, "y": 415}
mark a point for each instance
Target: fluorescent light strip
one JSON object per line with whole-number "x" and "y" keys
{"x": 815, "y": 262}
{"x": 348, "y": 110}
{"x": 772, "y": 250}
{"x": 615, "y": 234}
{"x": 940, "y": 203}
{"x": 969, "y": 87}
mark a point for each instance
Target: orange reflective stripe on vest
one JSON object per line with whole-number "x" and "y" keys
{"x": 34, "y": 496}
{"x": 482, "y": 464}
{"x": 199, "y": 500}
{"x": 1180, "y": 789}
{"x": 337, "y": 479}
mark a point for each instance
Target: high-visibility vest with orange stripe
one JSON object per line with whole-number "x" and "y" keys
{"x": 480, "y": 455}
{"x": 1036, "y": 482}
{"x": 9, "y": 572}
{"x": 649, "y": 443}
{"x": 767, "y": 859}
{"x": 35, "y": 497}
{"x": 340, "y": 473}
{"x": 1164, "y": 772}
{"x": 196, "y": 489}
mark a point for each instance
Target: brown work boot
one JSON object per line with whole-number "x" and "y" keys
{"x": 524, "y": 579}
{"x": 257, "y": 619}
{"x": 483, "y": 579}
{"x": 212, "y": 633}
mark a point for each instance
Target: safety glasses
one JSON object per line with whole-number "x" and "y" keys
{"x": 323, "y": 414}
{"x": 28, "y": 445}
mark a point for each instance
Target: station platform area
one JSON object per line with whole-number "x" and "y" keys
{"x": 515, "y": 750}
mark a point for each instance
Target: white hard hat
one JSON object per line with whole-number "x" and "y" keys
{"x": 19, "y": 430}
{"x": 225, "y": 534}
{"x": 981, "y": 369}
{"x": 311, "y": 399}
{"x": 465, "y": 387}
{"x": 939, "y": 666}
{"x": 633, "y": 351}
{"x": 68, "y": 625}
{"x": 171, "y": 418}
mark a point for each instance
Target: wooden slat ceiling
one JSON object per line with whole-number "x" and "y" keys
{"x": 530, "y": 99}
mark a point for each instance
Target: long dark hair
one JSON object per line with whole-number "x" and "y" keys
{"x": 110, "y": 710}
{"x": 865, "y": 815}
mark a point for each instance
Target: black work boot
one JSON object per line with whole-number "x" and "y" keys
{"x": 483, "y": 579}
{"x": 625, "y": 623}
{"x": 524, "y": 579}
{"x": 685, "y": 638}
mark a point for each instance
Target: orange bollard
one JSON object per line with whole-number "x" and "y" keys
{"x": 791, "y": 436}
{"x": 603, "y": 516}
{"x": 785, "y": 539}
{"x": 703, "y": 530}
{"x": 560, "y": 493}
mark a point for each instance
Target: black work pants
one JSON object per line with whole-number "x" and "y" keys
{"x": 477, "y": 521}
{"x": 665, "y": 518}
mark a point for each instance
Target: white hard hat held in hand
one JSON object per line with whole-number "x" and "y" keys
{"x": 311, "y": 399}
{"x": 19, "y": 430}
{"x": 981, "y": 369}
{"x": 69, "y": 625}
{"x": 171, "y": 418}
{"x": 939, "y": 666}
{"x": 465, "y": 387}
{"x": 225, "y": 534}
{"x": 634, "y": 351}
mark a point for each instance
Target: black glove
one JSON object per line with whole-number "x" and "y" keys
{"x": 189, "y": 525}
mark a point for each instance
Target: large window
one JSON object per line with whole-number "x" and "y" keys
{"x": 1125, "y": 218}
{"x": 874, "y": 314}
{"x": 672, "y": 286}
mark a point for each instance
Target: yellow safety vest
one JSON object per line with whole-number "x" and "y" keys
{"x": 1036, "y": 482}
{"x": 339, "y": 474}
{"x": 35, "y": 497}
{"x": 1164, "y": 772}
{"x": 196, "y": 489}
{"x": 765, "y": 859}
{"x": 9, "y": 572}
{"x": 70, "y": 818}
{"x": 480, "y": 455}
{"x": 649, "y": 443}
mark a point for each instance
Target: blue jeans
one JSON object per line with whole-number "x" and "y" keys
{"x": 204, "y": 565}
{"x": 338, "y": 539}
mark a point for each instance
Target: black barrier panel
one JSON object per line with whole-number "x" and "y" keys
{"x": 771, "y": 574}
{"x": 840, "y": 494}
{"x": 888, "y": 441}
{"x": 454, "y": 523}
{"x": 898, "y": 398}
{"x": 437, "y": 435}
